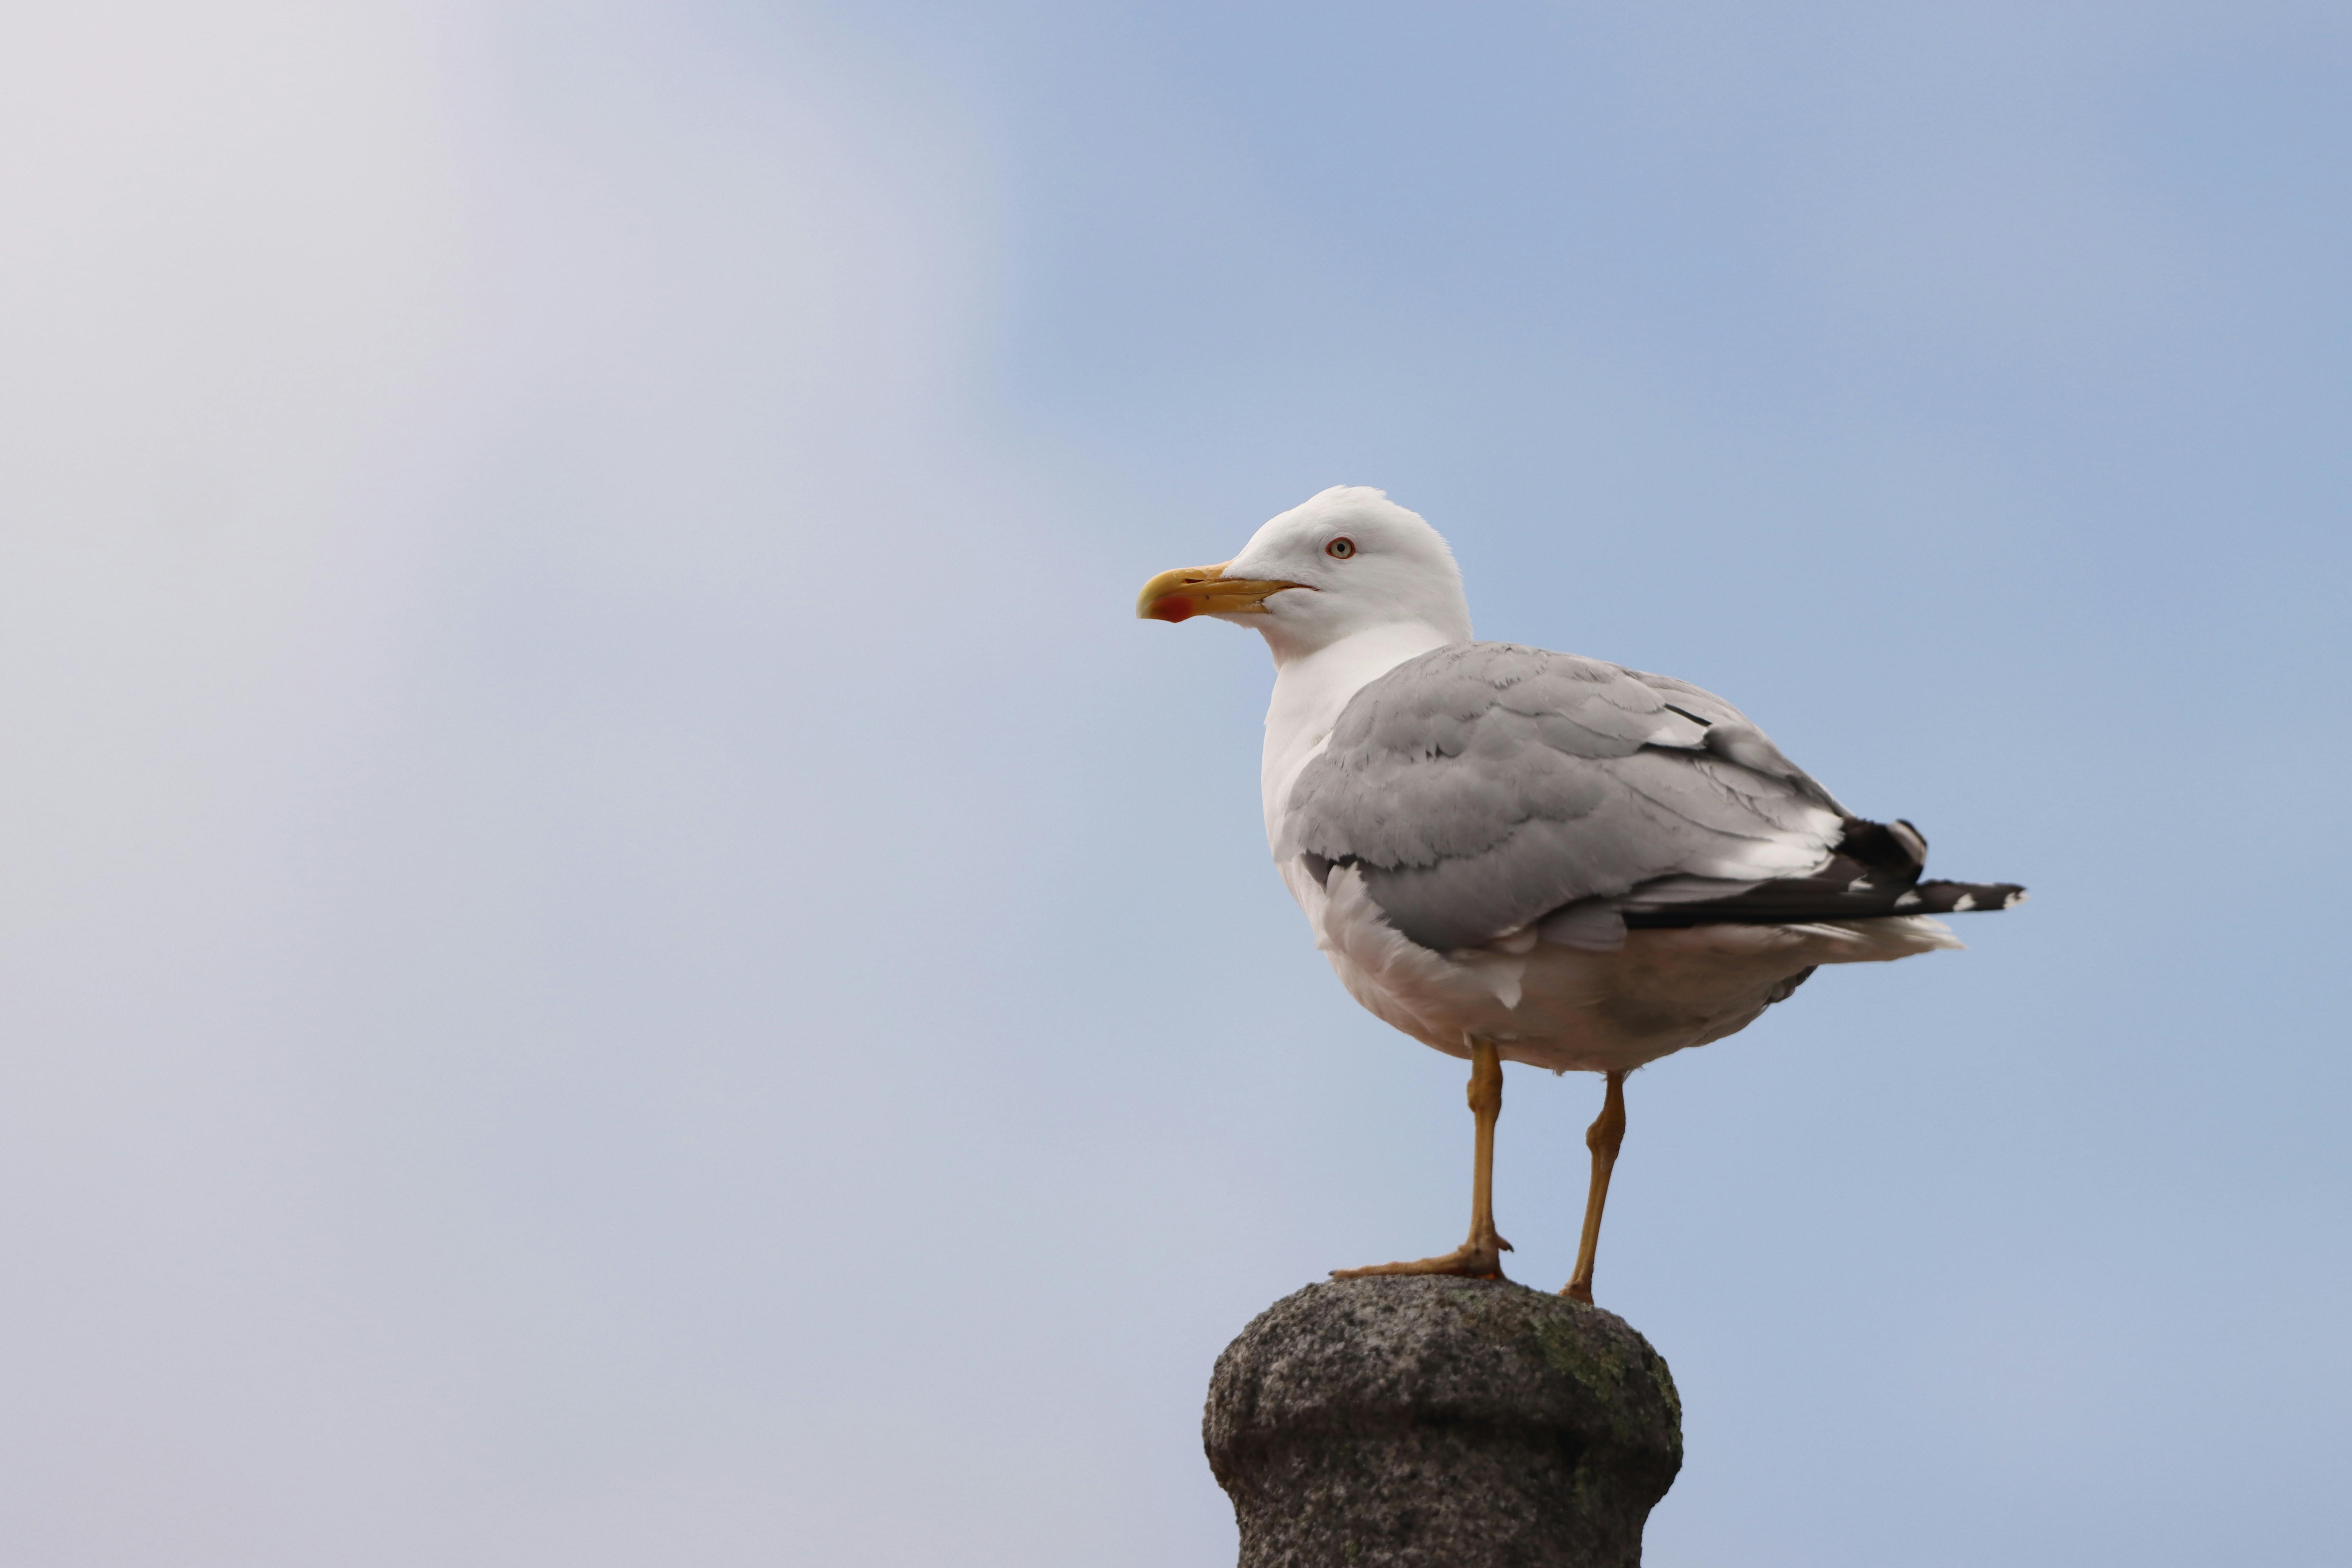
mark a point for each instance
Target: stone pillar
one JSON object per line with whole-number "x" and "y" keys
{"x": 1439, "y": 1423}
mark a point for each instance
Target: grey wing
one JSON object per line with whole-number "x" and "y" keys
{"x": 1731, "y": 736}
{"x": 1484, "y": 786}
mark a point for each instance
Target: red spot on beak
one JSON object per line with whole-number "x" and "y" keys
{"x": 1175, "y": 608}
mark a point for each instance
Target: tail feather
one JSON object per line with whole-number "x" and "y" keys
{"x": 1873, "y": 872}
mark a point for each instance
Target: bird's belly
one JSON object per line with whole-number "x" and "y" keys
{"x": 1561, "y": 1009}
{"x": 1570, "y": 1009}
{"x": 1663, "y": 991}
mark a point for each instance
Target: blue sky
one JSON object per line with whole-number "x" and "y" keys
{"x": 617, "y": 951}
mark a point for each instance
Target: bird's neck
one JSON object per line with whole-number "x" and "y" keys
{"x": 1311, "y": 690}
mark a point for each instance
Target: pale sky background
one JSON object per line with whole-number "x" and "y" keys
{"x": 615, "y": 951}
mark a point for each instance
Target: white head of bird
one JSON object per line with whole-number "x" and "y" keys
{"x": 1347, "y": 562}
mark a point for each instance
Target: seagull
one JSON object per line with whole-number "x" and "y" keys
{"x": 1516, "y": 855}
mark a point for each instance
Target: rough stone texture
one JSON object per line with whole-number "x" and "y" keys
{"x": 1441, "y": 1423}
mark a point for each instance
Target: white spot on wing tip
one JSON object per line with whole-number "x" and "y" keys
{"x": 1965, "y": 901}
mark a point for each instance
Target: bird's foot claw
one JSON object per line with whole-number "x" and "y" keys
{"x": 1481, "y": 1260}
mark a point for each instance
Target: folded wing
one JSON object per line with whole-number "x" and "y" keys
{"x": 1486, "y": 787}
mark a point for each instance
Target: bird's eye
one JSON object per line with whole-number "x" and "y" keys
{"x": 1340, "y": 549}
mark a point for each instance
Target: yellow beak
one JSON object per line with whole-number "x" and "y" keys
{"x": 1190, "y": 591}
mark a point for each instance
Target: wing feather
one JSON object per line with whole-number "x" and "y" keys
{"x": 1480, "y": 787}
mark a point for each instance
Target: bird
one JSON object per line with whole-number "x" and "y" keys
{"x": 1511, "y": 854}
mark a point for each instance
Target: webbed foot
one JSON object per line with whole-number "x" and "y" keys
{"x": 1480, "y": 1259}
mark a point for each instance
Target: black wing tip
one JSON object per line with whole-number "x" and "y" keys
{"x": 1798, "y": 901}
{"x": 1964, "y": 898}
{"x": 1893, "y": 849}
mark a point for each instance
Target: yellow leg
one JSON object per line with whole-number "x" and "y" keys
{"x": 1481, "y": 1257}
{"x": 1603, "y": 1137}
